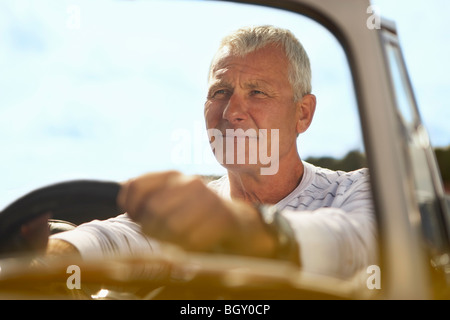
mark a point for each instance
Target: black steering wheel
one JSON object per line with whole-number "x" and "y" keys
{"x": 68, "y": 203}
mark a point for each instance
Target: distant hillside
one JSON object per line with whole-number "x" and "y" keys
{"x": 352, "y": 161}
{"x": 355, "y": 160}
{"x": 443, "y": 159}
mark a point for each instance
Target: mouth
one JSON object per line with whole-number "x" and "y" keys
{"x": 238, "y": 134}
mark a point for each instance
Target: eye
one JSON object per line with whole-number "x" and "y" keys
{"x": 221, "y": 93}
{"x": 257, "y": 93}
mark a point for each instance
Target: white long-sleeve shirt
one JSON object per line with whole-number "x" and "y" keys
{"x": 333, "y": 218}
{"x": 331, "y": 213}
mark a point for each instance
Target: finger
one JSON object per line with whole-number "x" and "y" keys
{"x": 133, "y": 193}
{"x": 170, "y": 212}
{"x": 209, "y": 233}
{"x": 198, "y": 227}
{"x": 184, "y": 189}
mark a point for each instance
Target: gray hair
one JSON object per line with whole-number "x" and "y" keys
{"x": 246, "y": 40}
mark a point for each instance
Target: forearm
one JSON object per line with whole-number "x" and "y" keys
{"x": 261, "y": 231}
{"x": 334, "y": 242}
{"x": 61, "y": 248}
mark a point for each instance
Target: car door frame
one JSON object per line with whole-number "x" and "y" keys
{"x": 398, "y": 215}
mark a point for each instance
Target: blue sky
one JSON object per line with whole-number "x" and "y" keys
{"x": 424, "y": 32}
{"x": 120, "y": 91}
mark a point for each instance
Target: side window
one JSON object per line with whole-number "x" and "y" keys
{"x": 421, "y": 164}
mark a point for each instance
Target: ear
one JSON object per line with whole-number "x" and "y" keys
{"x": 306, "y": 108}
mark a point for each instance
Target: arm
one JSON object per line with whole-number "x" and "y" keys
{"x": 183, "y": 210}
{"x": 341, "y": 238}
{"x": 61, "y": 248}
{"x": 118, "y": 236}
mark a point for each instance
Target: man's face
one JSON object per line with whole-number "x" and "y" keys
{"x": 252, "y": 93}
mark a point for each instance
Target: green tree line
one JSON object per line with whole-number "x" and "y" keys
{"x": 355, "y": 159}
{"x": 443, "y": 159}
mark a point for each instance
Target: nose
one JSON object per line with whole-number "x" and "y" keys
{"x": 235, "y": 110}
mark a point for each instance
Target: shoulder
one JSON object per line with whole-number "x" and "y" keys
{"x": 337, "y": 187}
{"x": 323, "y": 187}
{"x": 324, "y": 176}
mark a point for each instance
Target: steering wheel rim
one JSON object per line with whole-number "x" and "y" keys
{"x": 74, "y": 201}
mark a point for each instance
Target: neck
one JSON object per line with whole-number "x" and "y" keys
{"x": 252, "y": 187}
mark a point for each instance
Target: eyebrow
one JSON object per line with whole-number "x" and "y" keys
{"x": 253, "y": 84}
{"x": 219, "y": 84}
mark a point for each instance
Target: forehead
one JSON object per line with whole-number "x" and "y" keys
{"x": 267, "y": 62}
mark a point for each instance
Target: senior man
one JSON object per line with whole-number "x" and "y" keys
{"x": 270, "y": 203}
